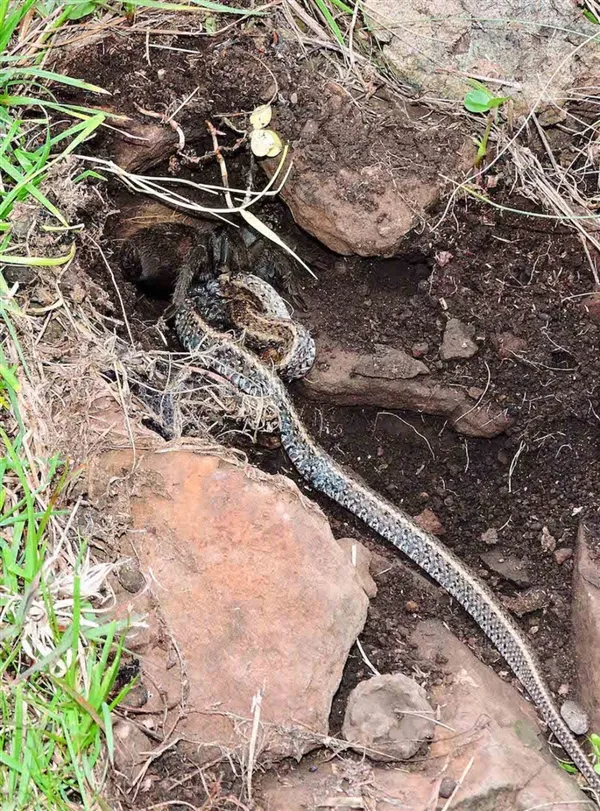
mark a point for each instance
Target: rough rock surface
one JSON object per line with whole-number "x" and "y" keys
{"x": 482, "y": 718}
{"x": 436, "y": 44}
{"x": 510, "y": 567}
{"x": 486, "y": 718}
{"x": 586, "y": 618}
{"x": 366, "y": 209}
{"x": 360, "y": 557}
{"x": 254, "y": 595}
{"x": 388, "y": 717}
{"x": 576, "y": 717}
{"x": 390, "y": 364}
{"x": 336, "y": 378}
{"x": 458, "y": 341}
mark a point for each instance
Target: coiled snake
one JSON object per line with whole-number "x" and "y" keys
{"x": 222, "y": 353}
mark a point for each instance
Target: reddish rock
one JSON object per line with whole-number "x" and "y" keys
{"x": 458, "y": 341}
{"x": 331, "y": 206}
{"x": 586, "y": 618}
{"x": 563, "y": 554}
{"x": 429, "y": 521}
{"x": 388, "y": 717}
{"x": 508, "y": 345}
{"x": 512, "y": 767}
{"x": 337, "y": 378}
{"x": 360, "y": 557}
{"x": 254, "y": 595}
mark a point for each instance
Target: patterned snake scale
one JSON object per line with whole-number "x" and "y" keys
{"x": 219, "y": 352}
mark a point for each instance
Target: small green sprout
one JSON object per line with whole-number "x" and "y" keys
{"x": 480, "y": 99}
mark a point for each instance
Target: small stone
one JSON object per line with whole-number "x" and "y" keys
{"x": 475, "y": 393}
{"x": 390, "y": 364}
{"x": 531, "y": 600}
{"x": 503, "y": 457}
{"x": 19, "y": 275}
{"x": 360, "y": 557}
{"x": 490, "y": 536}
{"x": 389, "y": 716}
{"x": 130, "y": 577}
{"x": 508, "y": 345}
{"x": 447, "y": 787}
{"x": 419, "y": 350}
{"x": 591, "y": 305}
{"x": 458, "y": 341}
{"x": 160, "y": 74}
{"x": 510, "y": 567}
{"x": 293, "y": 98}
{"x": 429, "y": 521}
{"x": 575, "y": 717}
{"x": 412, "y": 607}
{"x": 563, "y": 690}
{"x": 562, "y": 554}
{"x": 137, "y": 697}
{"x": 548, "y": 541}
{"x": 443, "y": 257}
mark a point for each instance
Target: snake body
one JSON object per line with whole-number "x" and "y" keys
{"x": 221, "y": 353}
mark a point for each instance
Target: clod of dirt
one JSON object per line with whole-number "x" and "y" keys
{"x": 131, "y": 578}
{"x": 591, "y": 305}
{"x": 390, "y": 364}
{"x": 510, "y": 567}
{"x": 438, "y": 43}
{"x": 575, "y": 717}
{"x": 490, "y": 536}
{"x": 586, "y": 618}
{"x": 141, "y": 145}
{"x": 496, "y": 727}
{"x": 458, "y": 341}
{"x": 360, "y": 557}
{"x": 389, "y": 717}
{"x": 508, "y": 345}
{"x": 336, "y": 378}
{"x": 131, "y": 747}
{"x": 534, "y": 599}
{"x": 254, "y": 590}
{"x": 429, "y": 521}
{"x": 563, "y": 554}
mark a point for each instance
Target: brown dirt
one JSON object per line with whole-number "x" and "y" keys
{"x": 506, "y": 273}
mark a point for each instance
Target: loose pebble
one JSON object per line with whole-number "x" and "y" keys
{"x": 575, "y": 717}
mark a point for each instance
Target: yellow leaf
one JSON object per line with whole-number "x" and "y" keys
{"x": 265, "y": 143}
{"x": 261, "y": 117}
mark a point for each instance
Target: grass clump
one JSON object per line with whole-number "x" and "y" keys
{"x": 58, "y": 660}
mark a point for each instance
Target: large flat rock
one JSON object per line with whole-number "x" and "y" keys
{"x": 253, "y": 595}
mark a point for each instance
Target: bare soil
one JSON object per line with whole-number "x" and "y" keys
{"x": 498, "y": 271}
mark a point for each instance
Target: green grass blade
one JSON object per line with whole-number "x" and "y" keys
{"x": 330, "y": 20}
{"x": 8, "y": 74}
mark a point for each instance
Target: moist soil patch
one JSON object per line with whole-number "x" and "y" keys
{"x": 500, "y": 272}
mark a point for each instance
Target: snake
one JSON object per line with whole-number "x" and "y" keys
{"x": 221, "y": 351}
